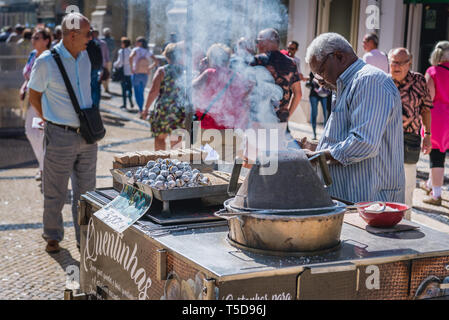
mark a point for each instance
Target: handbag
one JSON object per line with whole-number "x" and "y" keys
{"x": 91, "y": 125}
{"x": 118, "y": 74}
{"x": 412, "y": 147}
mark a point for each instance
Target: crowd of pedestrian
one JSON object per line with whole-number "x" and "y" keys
{"x": 379, "y": 115}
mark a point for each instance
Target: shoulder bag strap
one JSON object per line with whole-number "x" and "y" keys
{"x": 440, "y": 65}
{"x": 218, "y": 96}
{"x": 68, "y": 85}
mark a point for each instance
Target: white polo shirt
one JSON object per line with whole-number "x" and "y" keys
{"x": 378, "y": 59}
{"x": 47, "y": 79}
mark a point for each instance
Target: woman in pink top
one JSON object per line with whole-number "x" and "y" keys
{"x": 437, "y": 77}
{"x": 220, "y": 96}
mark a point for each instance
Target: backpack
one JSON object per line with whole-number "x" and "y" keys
{"x": 96, "y": 57}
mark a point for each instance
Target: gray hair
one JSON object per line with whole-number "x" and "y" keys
{"x": 218, "y": 55}
{"x": 440, "y": 53}
{"x": 398, "y": 50}
{"x": 326, "y": 44}
{"x": 72, "y": 22}
{"x": 269, "y": 34}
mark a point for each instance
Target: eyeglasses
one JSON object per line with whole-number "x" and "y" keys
{"x": 399, "y": 64}
{"x": 318, "y": 74}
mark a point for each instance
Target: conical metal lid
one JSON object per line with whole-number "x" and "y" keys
{"x": 295, "y": 185}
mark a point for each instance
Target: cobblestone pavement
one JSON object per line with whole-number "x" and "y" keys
{"x": 26, "y": 270}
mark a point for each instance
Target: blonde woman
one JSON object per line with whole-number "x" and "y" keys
{"x": 437, "y": 77}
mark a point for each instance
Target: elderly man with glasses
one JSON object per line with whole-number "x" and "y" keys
{"x": 363, "y": 138}
{"x": 416, "y": 105}
{"x": 67, "y": 154}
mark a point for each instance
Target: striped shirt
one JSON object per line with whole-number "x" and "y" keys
{"x": 364, "y": 133}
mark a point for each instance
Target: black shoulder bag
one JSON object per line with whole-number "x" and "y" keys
{"x": 91, "y": 125}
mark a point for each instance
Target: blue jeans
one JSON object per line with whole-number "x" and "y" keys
{"x": 139, "y": 83}
{"x": 314, "y": 111}
{"x": 127, "y": 90}
{"x": 95, "y": 87}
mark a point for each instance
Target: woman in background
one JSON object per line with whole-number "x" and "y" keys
{"x": 317, "y": 94}
{"x": 123, "y": 62}
{"x": 220, "y": 97}
{"x": 41, "y": 41}
{"x": 169, "y": 110}
{"x": 437, "y": 77}
{"x": 139, "y": 60}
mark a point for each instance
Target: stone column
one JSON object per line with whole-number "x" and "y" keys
{"x": 138, "y": 20}
{"x": 102, "y": 17}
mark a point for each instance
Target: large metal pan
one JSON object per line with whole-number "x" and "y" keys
{"x": 302, "y": 231}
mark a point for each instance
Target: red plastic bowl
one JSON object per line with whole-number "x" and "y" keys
{"x": 384, "y": 219}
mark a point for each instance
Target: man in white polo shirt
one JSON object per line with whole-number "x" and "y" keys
{"x": 374, "y": 56}
{"x": 67, "y": 155}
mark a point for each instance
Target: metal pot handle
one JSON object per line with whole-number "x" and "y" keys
{"x": 233, "y": 182}
{"x": 222, "y": 213}
{"x": 323, "y": 167}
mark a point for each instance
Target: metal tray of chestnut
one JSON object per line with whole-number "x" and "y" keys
{"x": 217, "y": 186}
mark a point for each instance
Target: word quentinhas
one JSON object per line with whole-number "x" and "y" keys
{"x": 110, "y": 245}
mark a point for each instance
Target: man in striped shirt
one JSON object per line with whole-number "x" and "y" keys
{"x": 363, "y": 138}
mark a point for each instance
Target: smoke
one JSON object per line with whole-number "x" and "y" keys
{"x": 225, "y": 22}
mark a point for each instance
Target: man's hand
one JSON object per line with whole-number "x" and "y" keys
{"x": 426, "y": 147}
{"x": 304, "y": 144}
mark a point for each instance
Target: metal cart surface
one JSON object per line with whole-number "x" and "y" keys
{"x": 196, "y": 261}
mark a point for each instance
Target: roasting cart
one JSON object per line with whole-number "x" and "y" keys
{"x": 185, "y": 250}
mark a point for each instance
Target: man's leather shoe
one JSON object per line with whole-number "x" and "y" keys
{"x": 433, "y": 201}
{"x": 52, "y": 246}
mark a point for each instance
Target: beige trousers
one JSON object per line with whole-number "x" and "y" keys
{"x": 410, "y": 185}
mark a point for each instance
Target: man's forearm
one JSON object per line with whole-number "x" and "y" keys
{"x": 297, "y": 95}
{"x": 294, "y": 103}
{"x": 426, "y": 120}
{"x": 36, "y": 102}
